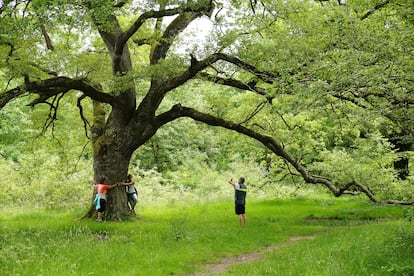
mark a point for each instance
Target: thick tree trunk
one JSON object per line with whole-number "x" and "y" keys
{"x": 111, "y": 160}
{"x": 112, "y": 154}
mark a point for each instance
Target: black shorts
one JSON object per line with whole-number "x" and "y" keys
{"x": 103, "y": 203}
{"x": 240, "y": 209}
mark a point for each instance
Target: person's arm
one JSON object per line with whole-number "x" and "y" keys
{"x": 126, "y": 183}
{"x": 113, "y": 186}
{"x": 232, "y": 183}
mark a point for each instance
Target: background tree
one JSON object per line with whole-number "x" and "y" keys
{"x": 97, "y": 48}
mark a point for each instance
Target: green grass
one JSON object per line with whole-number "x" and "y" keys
{"x": 353, "y": 238}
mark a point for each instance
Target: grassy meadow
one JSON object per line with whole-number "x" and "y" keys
{"x": 185, "y": 238}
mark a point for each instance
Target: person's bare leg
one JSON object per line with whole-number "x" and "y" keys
{"x": 100, "y": 216}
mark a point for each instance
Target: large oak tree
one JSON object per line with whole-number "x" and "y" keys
{"x": 102, "y": 49}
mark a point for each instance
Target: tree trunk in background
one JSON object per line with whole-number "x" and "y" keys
{"x": 401, "y": 145}
{"x": 401, "y": 166}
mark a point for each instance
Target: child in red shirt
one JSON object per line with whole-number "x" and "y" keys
{"x": 101, "y": 197}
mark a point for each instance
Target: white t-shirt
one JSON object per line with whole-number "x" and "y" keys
{"x": 130, "y": 189}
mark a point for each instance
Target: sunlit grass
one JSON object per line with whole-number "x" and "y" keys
{"x": 182, "y": 237}
{"x": 368, "y": 249}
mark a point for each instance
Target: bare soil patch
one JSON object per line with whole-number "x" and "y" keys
{"x": 226, "y": 263}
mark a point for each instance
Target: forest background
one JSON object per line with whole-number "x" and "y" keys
{"x": 342, "y": 105}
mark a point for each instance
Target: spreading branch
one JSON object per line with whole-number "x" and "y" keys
{"x": 353, "y": 187}
{"x": 186, "y": 15}
{"x": 52, "y": 116}
{"x": 179, "y": 24}
{"x": 85, "y": 121}
{"x": 11, "y": 95}
{"x": 254, "y": 113}
{"x": 375, "y": 8}
{"x": 199, "y": 65}
{"x": 46, "y": 36}
{"x": 51, "y": 87}
{"x": 250, "y": 86}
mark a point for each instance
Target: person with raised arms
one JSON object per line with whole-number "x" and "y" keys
{"x": 240, "y": 191}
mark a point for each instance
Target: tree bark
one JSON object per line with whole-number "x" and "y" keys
{"x": 111, "y": 161}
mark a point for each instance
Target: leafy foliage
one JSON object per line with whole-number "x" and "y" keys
{"x": 340, "y": 94}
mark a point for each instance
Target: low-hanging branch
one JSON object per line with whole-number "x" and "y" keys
{"x": 51, "y": 87}
{"x": 86, "y": 124}
{"x": 272, "y": 144}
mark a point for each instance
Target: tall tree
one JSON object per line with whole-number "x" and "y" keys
{"x": 95, "y": 47}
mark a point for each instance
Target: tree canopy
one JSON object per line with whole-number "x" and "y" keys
{"x": 327, "y": 86}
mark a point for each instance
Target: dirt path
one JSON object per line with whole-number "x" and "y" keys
{"x": 212, "y": 269}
